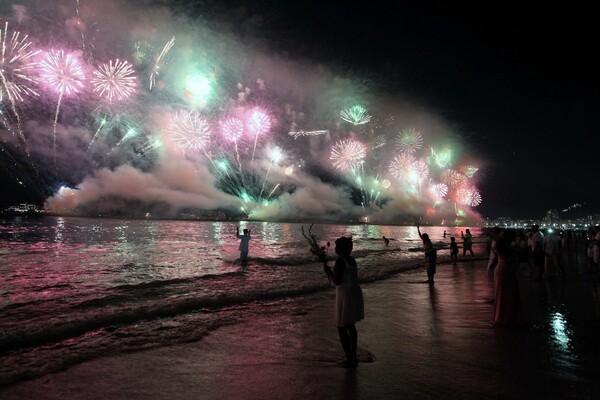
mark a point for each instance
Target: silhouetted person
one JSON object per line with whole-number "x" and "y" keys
{"x": 349, "y": 304}
{"x": 467, "y": 242}
{"x": 453, "y": 250}
{"x": 244, "y": 244}
{"x": 386, "y": 241}
{"x": 537, "y": 250}
{"x": 507, "y": 302}
{"x": 430, "y": 255}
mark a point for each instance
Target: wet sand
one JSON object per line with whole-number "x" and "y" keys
{"x": 417, "y": 342}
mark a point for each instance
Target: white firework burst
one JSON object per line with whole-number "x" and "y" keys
{"x": 439, "y": 190}
{"x": 409, "y": 141}
{"x": 468, "y": 197}
{"x": 347, "y": 154}
{"x": 400, "y": 165}
{"x": 189, "y": 130}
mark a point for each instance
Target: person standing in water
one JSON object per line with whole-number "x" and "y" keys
{"x": 349, "y": 303}
{"x": 244, "y": 244}
{"x": 467, "y": 242}
{"x": 430, "y": 255}
{"x": 453, "y": 250}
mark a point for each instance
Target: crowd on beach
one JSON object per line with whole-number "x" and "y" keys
{"x": 507, "y": 249}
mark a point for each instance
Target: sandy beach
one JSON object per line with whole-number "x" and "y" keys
{"x": 417, "y": 342}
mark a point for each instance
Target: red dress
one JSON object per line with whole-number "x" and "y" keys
{"x": 507, "y": 300}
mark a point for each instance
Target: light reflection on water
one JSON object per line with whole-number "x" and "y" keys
{"x": 561, "y": 334}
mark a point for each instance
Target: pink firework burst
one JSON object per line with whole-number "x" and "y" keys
{"x": 419, "y": 171}
{"x": 468, "y": 197}
{"x": 258, "y": 123}
{"x": 189, "y": 130}
{"x": 347, "y": 154}
{"x": 453, "y": 178}
{"x": 232, "y": 129}
{"x": 400, "y": 165}
{"x": 62, "y": 72}
{"x": 114, "y": 80}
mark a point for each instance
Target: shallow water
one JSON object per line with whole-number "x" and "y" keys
{"x": 72, "y": 289}
{"x": 417, "y": 342}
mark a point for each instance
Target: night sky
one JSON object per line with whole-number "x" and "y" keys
{"x": 519, "y": 82}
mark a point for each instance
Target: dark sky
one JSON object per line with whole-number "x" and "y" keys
{"x": 520, "y": 81}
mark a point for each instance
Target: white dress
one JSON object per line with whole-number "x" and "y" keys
{"x": 349, "y": 304}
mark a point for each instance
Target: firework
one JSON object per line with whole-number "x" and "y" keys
{"x": 232, "y": 129}
{"x": 469, "y": 170}
{"x": 386, "y": 183}
{"x": 17, "y": 76}
{"x": 189, "y": 130}
{"x": 453, "y": 178}
{"x": 379, "y": 142}
{"x": 439, "y": 190}
{"x": 400, "y": 165}
{"x": 347, "y": 154}
{"x": 297, "y": 134}
{"x": 468, "y": 197}
{"x": 17, "y": 68}
{"x": 442, "y": 158}
{"x": 158, "y": 63}
{"x": 275, "y": 156}
{"x": 356, "y": 115}
{"x": 115, "y": 80}
{"x": 258, "y": 123}
{"x": 62, "y": 72}
{"x": 418, "y": 171}
{"x": 409, "y": 141}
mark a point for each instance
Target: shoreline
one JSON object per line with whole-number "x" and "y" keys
{"x": 417, "y": 341}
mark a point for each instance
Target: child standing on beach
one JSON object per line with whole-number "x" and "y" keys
{"x": 349, "y": 304}
{"x": 430, "y": 255}
{"x": 453, "y": 250}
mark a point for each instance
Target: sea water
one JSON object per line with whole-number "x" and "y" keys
{"x": 73, "y": 289}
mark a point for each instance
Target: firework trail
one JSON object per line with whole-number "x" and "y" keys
{"x": 297, "y": 134}
{"x": 114, "y": 80}
{"x": 356, "y": 115}
{"x": 62, "y": 72}
{"x": 102, "y": 123}
{"x": 257, "y": 124}
{"x": 409, "y": 141}
{"x": 233, "y": 129}
{"x": 157, "y": 64}
{"x": 276, "y": 156}
{"x": 17, "y": 76}
{"x": 347, "y": 154}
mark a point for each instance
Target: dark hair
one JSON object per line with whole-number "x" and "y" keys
{"x": 344, "y": 245}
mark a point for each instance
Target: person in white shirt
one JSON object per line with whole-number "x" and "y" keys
{"x": 551, "y": 251}
{"x": 244, "y": 241}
